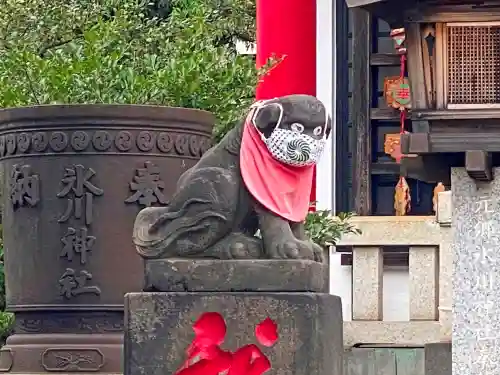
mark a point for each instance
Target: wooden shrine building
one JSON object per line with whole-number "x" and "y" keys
{"x": 446, "y": 98}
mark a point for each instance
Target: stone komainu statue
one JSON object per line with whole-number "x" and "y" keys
{"x": 258, "y": 177}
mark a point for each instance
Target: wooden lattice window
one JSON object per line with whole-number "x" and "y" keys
{"x": 472, "y": 65}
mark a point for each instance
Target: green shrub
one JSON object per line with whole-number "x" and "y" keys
{"x": 6, "y": 319}
{"x": 175, "y": 53}
{"x": 6, "y": 326}
{"x": 2, "y": 275}
{"x": 165, "y": 52}
{"x": 325, "y": 229}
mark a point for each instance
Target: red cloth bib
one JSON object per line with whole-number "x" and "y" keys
{"x": 282, "y": 189}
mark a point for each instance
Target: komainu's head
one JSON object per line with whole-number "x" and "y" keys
{"x": 294, "y": 128}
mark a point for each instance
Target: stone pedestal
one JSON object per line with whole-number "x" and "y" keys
{"x": 476, "y": 276}
{"x": 158, "y": 325}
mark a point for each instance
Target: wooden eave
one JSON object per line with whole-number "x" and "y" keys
{"x": 460, "y": 130}
{"x": 397, "y": 15}
{"x": 455, "y": 114}
{"x": 392, "y": 11}
{"x": 362, "y": 3}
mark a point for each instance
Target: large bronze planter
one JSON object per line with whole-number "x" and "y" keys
{"x": 74, "y": 178}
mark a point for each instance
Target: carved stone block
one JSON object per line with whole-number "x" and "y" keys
{"x": 158, "y": 329}
{"x": 208, "y": 275}
{"x": 158, "y": 326}
{"x": 476, "y": 275}
{"x": 444, "y": 208}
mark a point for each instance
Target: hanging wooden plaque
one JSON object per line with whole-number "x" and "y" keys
{"x": 399, "y": 38}
{"x": 402, "y": 197}
{"x": 392, "y": 146}
{"x": 397, "y": 93}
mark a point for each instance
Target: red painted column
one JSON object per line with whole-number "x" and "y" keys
{"x": 286, "y": 29}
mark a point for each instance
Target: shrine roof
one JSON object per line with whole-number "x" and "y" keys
{"x": 361, "y": 3}
{"x": 412, "y": 3}
{"x": 385, "y": 9}
{"x": 399, "y": 11}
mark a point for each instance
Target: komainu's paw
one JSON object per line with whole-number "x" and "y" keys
{"x": 236, "y": 246}
{"x": 291, "y": 249}
{"x": 319, "y": 253}
{"x": 250, "y": 248}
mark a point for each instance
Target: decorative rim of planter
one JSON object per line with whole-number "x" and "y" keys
{"x": 105, "y": 128}
{"x": 195, "y": 119}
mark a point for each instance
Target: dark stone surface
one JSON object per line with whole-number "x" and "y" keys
{"x": 208, "y": 275}
{"x": 74, "y": 207}
{"x": 438, "y": 358}
{"x": 212, "y": 214}
{"x": 74, "y": 178}
{"x": 158, "y": 329}
{"x": 63, "y": 353}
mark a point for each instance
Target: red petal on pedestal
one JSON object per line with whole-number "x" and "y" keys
{"x": 209, "y": 366}
{"x": 249, "y": 360}
{"x": 210, "y": 328}
{"x": 242, "y": 360}
{"x": 266, "y": 332}
{"x": 260, "y": 366}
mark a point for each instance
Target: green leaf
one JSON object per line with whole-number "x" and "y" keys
{"x": 325, "y": 229}
{"x": 166, "y": 52}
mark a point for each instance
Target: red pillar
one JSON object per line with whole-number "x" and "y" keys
{"x": 287, "y": 29}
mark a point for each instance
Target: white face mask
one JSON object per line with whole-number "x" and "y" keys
{"x": 291, "y": 147}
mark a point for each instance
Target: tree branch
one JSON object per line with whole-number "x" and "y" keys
{"x": 58, "y": 43}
